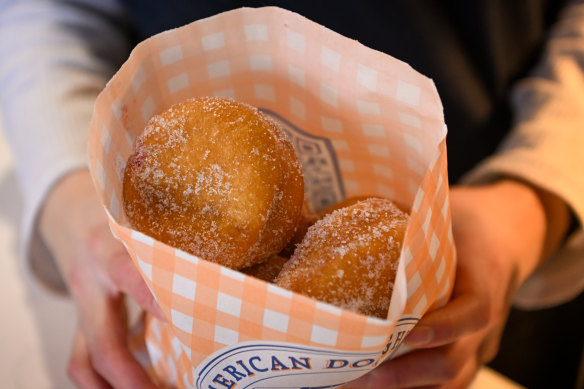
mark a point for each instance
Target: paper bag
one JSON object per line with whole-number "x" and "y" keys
{"x": 362, "y": 123}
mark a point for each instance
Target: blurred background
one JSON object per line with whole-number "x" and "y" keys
{"x": 36, "y": 327}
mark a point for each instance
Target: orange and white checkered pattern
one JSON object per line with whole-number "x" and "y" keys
{"x": 386, "y": 126}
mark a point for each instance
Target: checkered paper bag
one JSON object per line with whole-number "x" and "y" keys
{"x": 362, "y": 122}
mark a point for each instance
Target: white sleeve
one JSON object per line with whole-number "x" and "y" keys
{"x": 546, "y": 148}
{"x": 55, "y": 57}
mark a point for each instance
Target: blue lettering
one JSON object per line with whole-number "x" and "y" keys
{"x": 296, "y": 362}
{"x": 398, "y": 339}
{"x": 249, "y": 372}
{"x": 362, "y": 363}
{"x": 336, "y": 363}
{"x": 234, "y": 373}
{"x": 254, "y": 366}
{"x": 388, "y": 345}
{"x": 277, "y": 365}
{"x": 219, "y": 379}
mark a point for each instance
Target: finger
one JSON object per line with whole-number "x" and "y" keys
{"x": 489, "y": 348}
{"x": 465, "y": 376}
{"x": 463, "y": 315}
{"x": 109, "y": 353}
{"x": 125, "y": 276}
{"x": 462, "y": 380}
{"x": 80, "y": 370}
{"x": 424, "y": 367}
{"x": 121, "y": 273}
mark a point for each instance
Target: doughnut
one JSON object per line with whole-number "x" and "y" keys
{"x": 216, "y": 178}
{"x": 267, "y": 270}
{"x": 349, "y": 258}
{"x": 352, "y": 200}
{"x": 343, "y": 203}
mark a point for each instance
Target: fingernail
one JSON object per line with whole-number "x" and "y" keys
{"x": 420, "y": 336}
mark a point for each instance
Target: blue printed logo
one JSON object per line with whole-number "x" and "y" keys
{"x": 324, "y": 186}
{"x": 281, "y": 365}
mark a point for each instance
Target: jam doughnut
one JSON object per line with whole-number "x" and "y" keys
{"x": 216, "y": 178}
{"x": 349, "y": 258}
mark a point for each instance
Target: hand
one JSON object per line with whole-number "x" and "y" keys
{"x": 98, "y": 272}
{"x": 501, "y": 231}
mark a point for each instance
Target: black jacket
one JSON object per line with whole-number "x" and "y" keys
{"x": 473, "y": 50}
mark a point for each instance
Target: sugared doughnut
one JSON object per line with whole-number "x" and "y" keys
{"x": 215, "y": 178}
{"x": 343, "y": 203}
{"x": 353, "y": 200}
{"x": 349, "y": 258}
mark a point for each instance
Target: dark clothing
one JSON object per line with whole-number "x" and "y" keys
{"x": 473, "y": 50}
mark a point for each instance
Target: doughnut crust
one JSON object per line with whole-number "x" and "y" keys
{"x": 216, "y": 178}
{"x": 353, "y": 200}
{"x": 349, "y": 258}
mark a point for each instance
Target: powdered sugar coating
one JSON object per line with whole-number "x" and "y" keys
{"x": 349, "y": 258}
{"x": 216, "y": 178}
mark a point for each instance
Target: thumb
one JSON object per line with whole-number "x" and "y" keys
{"x": 461, "y": 316}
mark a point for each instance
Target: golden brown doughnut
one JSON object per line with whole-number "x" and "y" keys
{"x": 350, "y": 257}
{"x": 215, "y": 178}
{"x": 355, "y": 199}
{"x": 343, "y": 203}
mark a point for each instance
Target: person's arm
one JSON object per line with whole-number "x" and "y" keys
{"x": 509, "y": 224}
{"x": 499, "y": 231}
{"x": 544, "y": 151}
{"x": 55, "y": 57}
